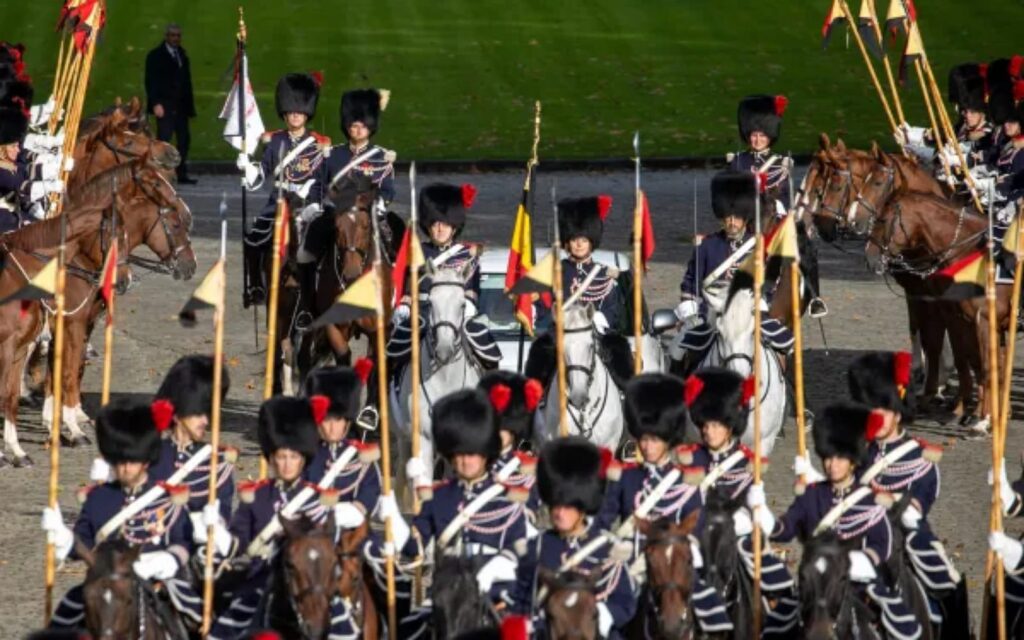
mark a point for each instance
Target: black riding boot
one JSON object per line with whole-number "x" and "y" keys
{"x": 256, "y": 292}
{"x": 307, "y": 295}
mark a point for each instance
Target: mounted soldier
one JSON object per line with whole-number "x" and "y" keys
{"x": 293, "y": 161}
{"x": 760, "y": 124}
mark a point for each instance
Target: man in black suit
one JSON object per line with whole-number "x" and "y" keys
{"x": 169, "y": 93}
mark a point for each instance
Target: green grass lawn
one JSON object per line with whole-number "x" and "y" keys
{"x": 464, "y": 75}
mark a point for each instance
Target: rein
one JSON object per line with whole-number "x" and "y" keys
{"x": 895, "y": 262}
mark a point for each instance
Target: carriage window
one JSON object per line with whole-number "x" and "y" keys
{"x": 501, "y": 314}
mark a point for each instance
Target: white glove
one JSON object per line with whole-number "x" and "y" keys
{"x": 802, "y": 467}
{"x": 57, "y": 532}
{"x": 498, "y": 569}
{"x": 99, "y": 471}
{"x": 416, "y": 471}
{"x": 686, "y": 309}
{"x": 1007, "y": 212}
{"x": 303, "y": 190}
{"x": 310, "y": 212}
{"x": 41, "y": 142}
{"x": 1009, "y": 550}
{"x": 952, "y": 159}
{"x": 401, "y": 313}
{"x": 242, "y": 161}
{"x": 40, "y": 113}
{"x": 531, "y": 531}
{"x": 399, "y": 528}
{"x": 348, "y": 515}
{"x": 156, "y": 565}
{"x": 600, "y": 323}
{"x": 915, "y": 135}
{"x": 759, "y": 508}
{"x": 861, "y": 569}
{"x": 69, "y": 164}
{"x": 741, "y": 523}
{"x": 900, "y": 135}
{"x": 780, "y": 209}
{"x": 253, "y": 176}
{"x": 984, "y": 185}
{"x": 469, "y": 309}
{"x": 49, "y": 168}
{"x": 1007, "y": 495}
{"x": 202, "y": 520}
{"x": 40, "y": 188}
{"x": 911, "y": 518}
{"x": 696, "y": 558}
{"x": 604, "y": 620}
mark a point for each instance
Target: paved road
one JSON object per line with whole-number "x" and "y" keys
{"x": 865, "y": 314}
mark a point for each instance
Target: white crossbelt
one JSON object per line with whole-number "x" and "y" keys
{"x": 722, "y": 469}
{"x": 738, "y": 254}
{"x": 836, "y": 512}
{"x": 348, "y": 167}
{"x": 477, "y": 503}
{"x": 442, "y": 257}
{"x": 580, "y": 290}
{"x": 886, "y": 460}
{"x": 291, "y": 155}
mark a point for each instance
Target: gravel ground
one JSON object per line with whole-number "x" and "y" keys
{"x": 865, "y": 314}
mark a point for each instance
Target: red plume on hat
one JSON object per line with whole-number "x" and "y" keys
{"x": 604, "y": 205}
{"x": 749, "y": 389}
{"x": 500, "y": 395}
{"x": 363, "y": 367}
{"x": 162, "y": 411}
{"x": 692, "y": 388}
{"x": 1016, "y": 66}
{"x": 901, "y": 363}
{"x": 468, "y": 195}
{"x": 532, "y": 392}
{"x": 318, "y": 78}
{"x": 781, "y": 102}
{"x": 876, "y": 420}
{"x": 607, "y": 460}
{"x": 319, "y": 405}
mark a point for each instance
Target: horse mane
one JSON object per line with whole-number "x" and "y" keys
{"x": 106, "y": 556}
{"x": 45, "y": 233}
{"x": 735, "y": 323}
{"x": 97, "y": 186}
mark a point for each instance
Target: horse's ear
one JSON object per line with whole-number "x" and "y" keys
{"x": 135, "y": 106}
{"x": 84, "y": 552}
{"x": 840, "y": 146}
{"x": 117, "y": 118}
{"x": 875, "y": 150}
{"x": 689, "y": 523}
{"x": 467, "y": 269}
{"x": 292, "y": 527}
{"x": 330, "y": 528}
{"x": 117, "y": 102}
{"x": 823, "y": 142}
{"x": 643, "y": 525}
{"x": 547, "y": 578}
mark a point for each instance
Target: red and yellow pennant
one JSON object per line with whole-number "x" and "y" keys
{"x": 834, "y": 17}
{"x": 966, "y": 277}
{"x": 647, "y": 243}
{"x": 109, "y": 279}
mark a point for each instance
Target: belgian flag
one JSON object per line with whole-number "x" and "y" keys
{"x": 39, "y": 287}
{"x": 965, "y": 277}
{"x": 208, "y": 295}
{"x": 358, "y": 300}
{"x": 409, "y": 258}
{"x": 521, "y": 258}
{"x": 779, "y": 245}
{"x": 108, "y": 280}
{"x": 539, "y": 279}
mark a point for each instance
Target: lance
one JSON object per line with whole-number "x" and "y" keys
{"x": 215, "y": 415}
{"x": 108, "y": 332}
{"x": 867, "y": 61}
{"x": 414, "y": 319}
{"x": 556, "y": 285}
{"x": 798, "y": 352}
{"x": 638, "y": 276}
{"x": 241, "y": 38}
{"x": 870, "y": 4}
{"x": 275, "y": 292}
{"x": 1018, "y": 275}
{"x": 385, "y": 438}
{"x": 758, "y": 355}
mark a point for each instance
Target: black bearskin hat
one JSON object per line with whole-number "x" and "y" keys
{"x": 958, "y": 77}
{"x": 972, "y": 95}
{"x": 569, "y": 474}
{"x": 287, "y": 423}
{"x": 297, "y": 93}
{"x": 13, "y": 124}
{"x": 465, "y": 422}
{"x": 841, "y": 430}
{"x": 514, "y": 398}
{"x": 583, "y": 217}
{"x": 1001, "y": 105}
{"x": 440, "y": 202}
{"x": 882, "y": 380}
{"x": 127, "y": 432}
{"x": 363, "y": 105}
{"x": 733, "y": 193}
{"x": 654, "y": 406}
{"x": 761, "y": 113}
{"x": 718, "y": 395}
{"x": 343, "y": 386}
{"x": 188, "y": 386}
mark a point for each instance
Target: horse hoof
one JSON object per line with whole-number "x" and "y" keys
{"x": 74, "y": 441}
{"x": 24, "y": 462}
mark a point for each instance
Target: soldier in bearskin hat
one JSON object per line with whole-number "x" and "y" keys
{"x": 128, "y": 436}
{"x": 360, "y": 118}
{"x": 443, "y": 209}
{"x": 292, "y": 162}
{"x": 187, "y": 391}
{"x": 515, "y": 398}
{"x": 841, "y": 435}
{"x": 571, "y": 480}
{"x": 287, "y": 433}
{"x": 733, "y": 200}
{"x": 882, "y": 381}
{"x": 358, "y": 483}
{"x": 760, "y": 124}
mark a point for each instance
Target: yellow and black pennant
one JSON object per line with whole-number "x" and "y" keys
{"x": 539, "y": 279}
{"x": 359, "y": 300}
{"x": 208, "y": 295}
{"x": 41, "y": 286}
{"x": 966, "y": 276}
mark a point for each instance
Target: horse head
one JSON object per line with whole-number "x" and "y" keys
{"x": 157, "y": 217}
{"x": 447, "y": 308}
{"x": 877, "y": 187}
{"x": 350, "y": 561}
{"x": 580, "y": 353}
{"x": 111, "y": 591}
{"x": 670, "y": 575}
{"x": 718, "y": 541}
{"x": 825, "y": 609}
{"x": 354, "y": 236}
{"x": 459, "y": 607}
{"x": 116, "y": 137}
{"x": 570, "y": 607}
{"x": 310, "y": 571}
{"x": 736, "y": 326}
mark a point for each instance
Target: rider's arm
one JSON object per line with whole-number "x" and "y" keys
{"x": 689, "y": 287}
{"x": 621, "y": 600}
{"x": 368, "y": 491}
{"x": 243, "y": 525}
{"x": 84, "y": 529}
{"x": 795, "y": 523}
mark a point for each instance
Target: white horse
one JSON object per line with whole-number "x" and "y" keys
{"x": 446, "y": 364}
{"x": 733, "y": 349}
{"x": 594, "y": 405}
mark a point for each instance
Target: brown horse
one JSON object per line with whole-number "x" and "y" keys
{"x": 665, "y": 608}
{"x": 117, "y": 603}
{"x": 570, "y": 607}
{"x": 919, "y": 234}
{"x": 305, "y": 580}
{"x": 355, "y": 580}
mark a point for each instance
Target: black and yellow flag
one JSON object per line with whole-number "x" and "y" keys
{"x": 41, "y": 286}
{"x": 866, "y": 22}
{"x": 914, "y": 50}
{"x": 539, "y": 279}
{"x": 835, "y": 16}
{"x": 359, "y": 300}
{"x": 966, "y": 277}
{"x": 208, "y": 295}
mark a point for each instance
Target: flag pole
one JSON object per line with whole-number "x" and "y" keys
{"x": 758, "y": 355}
{"x": 1018, "y": 275}
{"x": 241, "y": 38}
{"x": 638, "y": 276}
{"x": 215, "y": 416}
{"x": 272, "y": 302}
{"x": 414, "y": 364}
{"x": 527, "y": 200}
{"x": 108, "y": 331}
{"x": 556, "y": 285}
{"x": 385, "y": 431}
{"x": 867, "y": 61}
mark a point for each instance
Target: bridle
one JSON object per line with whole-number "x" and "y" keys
{"x": 926, "y": 265}
{"x": 845, "y": 190}
{"x": 887, "y": 189}
{"x": 170, "y": 263}
{"x": 573, "y": 632}
{"x": 589, "y": 370}
{"x": 436, "y": 326}
{"x": 654, "y": 592}
{"x": 315, "y": 590}
{"x": 363, "y": 254}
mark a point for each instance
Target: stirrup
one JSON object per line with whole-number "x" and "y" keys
{"x": 255, "y": 295}
{"x": 368, "y": 419}
{"x": 817, "y": 308}
{"x": 303, "y": 320}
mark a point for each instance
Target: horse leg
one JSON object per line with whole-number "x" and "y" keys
{"x": 338, "y": 338}
{"x": 16, "y": 359}
{"x": 931, "y": 333}
{"x": 74, "y": 352}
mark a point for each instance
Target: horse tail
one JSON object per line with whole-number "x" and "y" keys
{"x": 540, "y": 363}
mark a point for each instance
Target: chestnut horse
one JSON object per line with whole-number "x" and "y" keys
{"x": 356, "y": 579}
{"x": 570, "y": 608}
{"x": 666, "y": 609}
